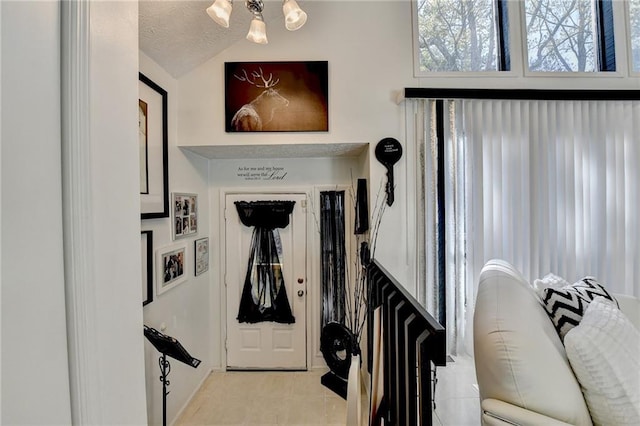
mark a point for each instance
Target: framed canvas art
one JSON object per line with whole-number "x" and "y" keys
{"x": 276, "y": 96}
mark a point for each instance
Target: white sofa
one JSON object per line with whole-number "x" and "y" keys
{"x": 523, "y": 373}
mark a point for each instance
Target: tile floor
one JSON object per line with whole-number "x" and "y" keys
{"x": 457, "y": 398}
{"x": 298, "y": 398}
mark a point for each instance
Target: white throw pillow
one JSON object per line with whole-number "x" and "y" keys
{"x": 549, "y": 280}
{"x": 604, "y": 352}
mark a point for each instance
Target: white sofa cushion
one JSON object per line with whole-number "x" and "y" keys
{"x": 518, "y": 355}
{"x": 549, "y": 280}
{"x": 604, "y": 352}
{"x": 630, "y": 307}
{"x": 566, "y": 305}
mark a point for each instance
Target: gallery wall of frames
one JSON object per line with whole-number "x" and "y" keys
{"x": 168, "y": 265}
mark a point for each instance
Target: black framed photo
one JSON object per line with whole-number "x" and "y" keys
{"x": 276, "y": 96}
{"x": 154, "y": 153}
{"x": 146, "y": 246}
{"x": 201, "y": 250}
{"x": 185, "y": 215}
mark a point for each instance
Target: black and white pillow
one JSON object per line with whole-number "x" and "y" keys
{"x": 567, "y": 305}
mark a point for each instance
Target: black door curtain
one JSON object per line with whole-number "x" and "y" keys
{"x": 264, "y": 296}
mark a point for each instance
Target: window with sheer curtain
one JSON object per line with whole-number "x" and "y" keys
{"x": 550, "y": 186}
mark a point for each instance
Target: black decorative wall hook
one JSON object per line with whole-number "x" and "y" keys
{"x": 389, "y": 152}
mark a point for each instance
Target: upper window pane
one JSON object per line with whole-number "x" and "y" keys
{"x": 634, "y": 28}
{"x": 458, "y": 35}
{"x": 560, "y": 35}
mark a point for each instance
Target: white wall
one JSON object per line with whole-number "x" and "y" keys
{"x": 115, "y": 203}
{"x": 367, "y": 70}
{"x": 35, "y": 375}
{"x": 369, "y": 47}
{"x": 185, "y": 310}
{"x": 0, "y": 211}
{"x": 35, "y": 382}
{"x": 365, "y": 74}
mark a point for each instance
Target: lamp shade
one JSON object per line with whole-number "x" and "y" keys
{"x": 294, "y": 17}
{"x": 257, "y": 31}
{"x": 220, "y": 11}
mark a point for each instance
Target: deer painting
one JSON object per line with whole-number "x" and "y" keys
{"x": 260, "y": 111}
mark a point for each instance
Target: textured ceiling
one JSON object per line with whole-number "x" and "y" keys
{"x": 180, "y": 36}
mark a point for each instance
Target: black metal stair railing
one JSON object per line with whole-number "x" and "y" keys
{"x": 413, "y": 341}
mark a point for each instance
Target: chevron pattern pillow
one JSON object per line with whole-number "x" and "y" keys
{"x": 567, "y": 305}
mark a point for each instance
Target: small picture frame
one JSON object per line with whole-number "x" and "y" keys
{"x": 146, "y": 246}
{"x": 171, "y": 269}
{"x": 201, "y": 251}
{"x": 185, "y": 215}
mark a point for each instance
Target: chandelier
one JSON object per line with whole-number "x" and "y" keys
{"x": 294, "y": 17}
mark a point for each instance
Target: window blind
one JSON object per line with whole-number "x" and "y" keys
{"x": 550, "y": 186}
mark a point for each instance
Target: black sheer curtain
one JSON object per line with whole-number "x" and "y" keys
{"x": 264, "y": 296}
{"x": 332, "y": 240}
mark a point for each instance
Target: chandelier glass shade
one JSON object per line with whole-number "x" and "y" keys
{"x": 294, "y": 17}
{"x": 257, "y": 31}
{"x": 220, "y": 12}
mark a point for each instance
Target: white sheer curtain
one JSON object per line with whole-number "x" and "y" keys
{"x": 438, "y": 287}
{"x": 550, "y": 186}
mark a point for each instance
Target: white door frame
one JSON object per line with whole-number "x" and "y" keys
{"x": 310, "y": 238}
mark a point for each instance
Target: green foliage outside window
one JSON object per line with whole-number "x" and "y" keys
{"x": 560, "y": 35}
{"x": 457, "y": 35}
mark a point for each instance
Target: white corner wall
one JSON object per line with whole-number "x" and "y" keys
{"x": 35, "y": 373}
{"x": 35, "y": 380}
{"x": 184, "y": 310}
{"x": 115, "y": 205}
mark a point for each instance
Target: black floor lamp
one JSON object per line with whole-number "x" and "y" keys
{"x": 167, "y": 345}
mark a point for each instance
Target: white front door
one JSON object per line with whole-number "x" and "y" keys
{"x": 266, "y": 345}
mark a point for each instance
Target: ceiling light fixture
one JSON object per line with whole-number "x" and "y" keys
{"x": 294, "y": 17}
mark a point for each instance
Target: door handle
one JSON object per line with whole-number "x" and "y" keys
{"x": 300, "y": 293}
